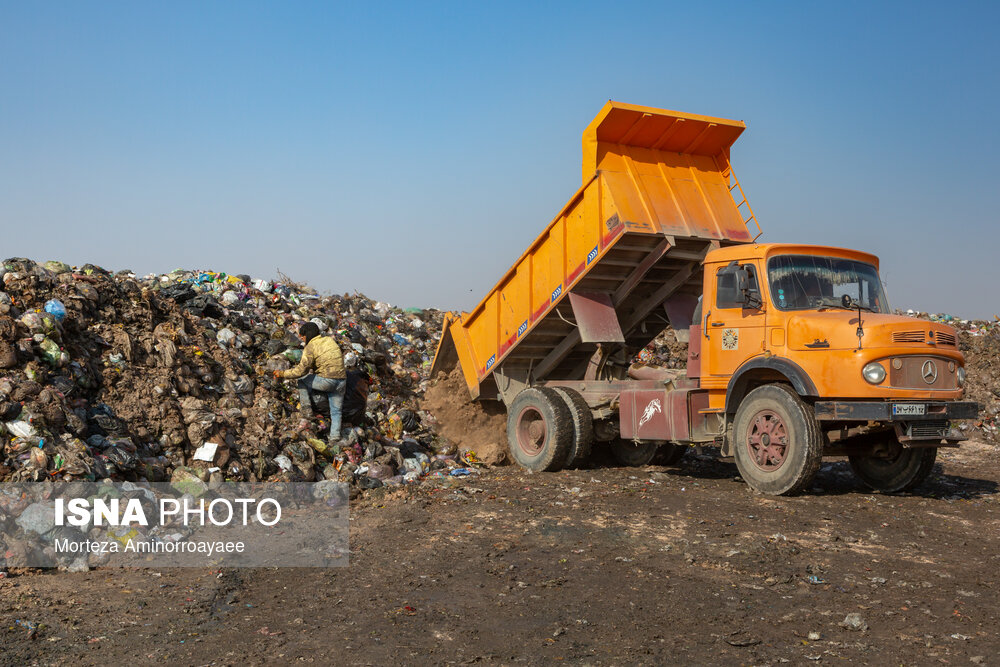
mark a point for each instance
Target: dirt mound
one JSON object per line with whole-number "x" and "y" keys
{"x": 480, "y": 426}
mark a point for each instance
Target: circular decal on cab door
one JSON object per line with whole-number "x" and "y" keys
{"x": 730, "y": 339}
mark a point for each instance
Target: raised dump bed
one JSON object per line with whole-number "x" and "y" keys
{"x": 621, "y": 257}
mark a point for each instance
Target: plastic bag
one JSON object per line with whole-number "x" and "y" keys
{"x": 322, "y": 448}
{"x": 413, "y": 465}
{"x": 38, "y": 458}
{"x": 369, "y": 482}
{"x": 21, "y": 428}
{"x": 179, "y": 292}
{"x": 226, "y": 336}
{"x": 33, "y": 321}
{"x": 50, "y": 351}
{"x": 410, "y": 419}
{"x": 56, "y": 308}
{"x": 121, "y": 457}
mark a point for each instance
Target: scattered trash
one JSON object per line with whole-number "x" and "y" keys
{"x": 854, "y": 622}
{"x": 742, "y": 639}
{"x": 30, "y": 626}
{"x": 206, "y": 452}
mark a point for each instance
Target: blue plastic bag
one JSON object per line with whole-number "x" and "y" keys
{"x": 56, "y": 308}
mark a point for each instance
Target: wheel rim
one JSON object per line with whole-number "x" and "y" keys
{"x": 531, "y": 431}
{"x": 767, "y": 440}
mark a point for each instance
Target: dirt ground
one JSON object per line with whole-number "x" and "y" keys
{"x": 604, "y": 566}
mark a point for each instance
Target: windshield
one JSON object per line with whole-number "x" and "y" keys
{"x": 809, "y": 282}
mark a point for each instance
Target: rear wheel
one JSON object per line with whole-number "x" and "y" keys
{"x": 539, "y": 429}
{"x": 899, "y": 469}
{"x": 583, "y": 427}
{"x": 777, "y": 442}
{"x": 670, "y": 454}
{"x": 633, "y": 454}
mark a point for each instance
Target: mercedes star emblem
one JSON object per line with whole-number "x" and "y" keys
{"x": 929, "y": 372}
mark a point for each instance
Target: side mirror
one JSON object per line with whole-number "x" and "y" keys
{"x": 742, "y": 280}
{"x": 749, "y": 297}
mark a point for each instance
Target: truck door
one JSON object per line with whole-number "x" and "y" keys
{"x": 734, "y": 328}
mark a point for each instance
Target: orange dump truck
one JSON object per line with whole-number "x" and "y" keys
{"x": 793, "y": 354}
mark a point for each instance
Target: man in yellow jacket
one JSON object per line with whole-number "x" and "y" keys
{"x": 321, "y": 370}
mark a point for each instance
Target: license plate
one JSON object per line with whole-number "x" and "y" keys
{"x": 908, "y": 408}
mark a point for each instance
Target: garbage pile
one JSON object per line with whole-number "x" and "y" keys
{"x": 667, "y": 350}
{"x": 169, "y": 377}
{"x": 979, "y": 341}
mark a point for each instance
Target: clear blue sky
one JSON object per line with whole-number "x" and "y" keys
{"x": 412, "y": 150}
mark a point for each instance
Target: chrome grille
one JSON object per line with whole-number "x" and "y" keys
{"x": 907, "y": 336}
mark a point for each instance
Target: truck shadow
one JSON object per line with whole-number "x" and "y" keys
{"x": 834, "y": 478}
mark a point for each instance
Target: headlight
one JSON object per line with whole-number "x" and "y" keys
{"x": 961, "y": 376}
{"x": 873, "y": 372}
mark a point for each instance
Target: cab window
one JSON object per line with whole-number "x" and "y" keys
{"x": 809, "y": 282}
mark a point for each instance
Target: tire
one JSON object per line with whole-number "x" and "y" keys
{"x": 904, "y": 468}
{"x": 671, "y": 454}
{"x": 633, "y": 454}
{"x": 539, "y": 429}
{"x": 583, "y": 427}
{"x": 777, "y": 442}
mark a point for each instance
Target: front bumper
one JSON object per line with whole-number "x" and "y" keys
{"x": 882, "y": 410}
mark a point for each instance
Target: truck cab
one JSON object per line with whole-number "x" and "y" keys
{"x": 815, "y": 322}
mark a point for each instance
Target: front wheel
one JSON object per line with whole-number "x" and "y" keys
{"x": 777, "y": 442}
{"x": 900, "y": 469}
